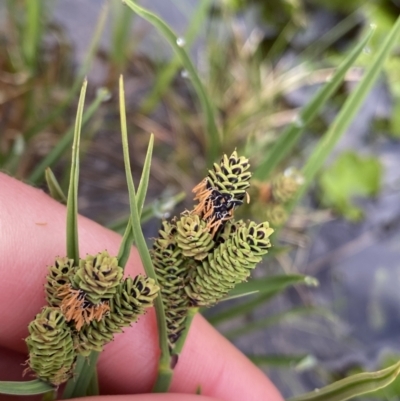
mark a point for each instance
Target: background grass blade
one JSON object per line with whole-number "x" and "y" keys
{"x": 272, "y": 284}
{"x": 127, "y": 239}
{"x": 122, "y": 22}
{"x": 25, "y": 388}
{"x": 54, "y": 187}
{"x": 32, "y": 32}
{"x": 288, "y": 139}
{"x": 352, "y": 386}
{"x": 348, "y": 111}
{"x": 157, "y": 208}
{"x": 213, "y": 139}
{"x": 72, "y": 200}
{"x": 63, "y": 144}
{"x": 278, "y": 361}
{"x": 83, "y": 71}
{"x": 167, "y": 73}
{"x": 165, "y": 373}
{"x": 263, "y": 323}
{"x": 266, "y": 288}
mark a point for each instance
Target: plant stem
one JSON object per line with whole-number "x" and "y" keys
{"x": 164, "y": 377}
{"x": 165, "y": 371}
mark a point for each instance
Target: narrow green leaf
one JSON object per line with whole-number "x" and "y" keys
{"x": 64, "y": 143}
{"x": 288, "y": 139}
{"x": 83, "y": 372}
{"x": 127, "y": 239}
{"x": 144, "y": 179}
{"x": 265, "y": 288}
{"x": 157, "y": 208}
{"x": 25, "y": 388}
{"x": 121, "y": 43}
{"x": 32, "y": 30}
{"x": 167, "y": 73}
{"x": 72, "y": 201}
{"x": 269, "y": 321}
{"x": 54, "y": 187}
{"x": 243, "y": 308}
{"x": 352, "y": 386}
{"x": 213, "y": 139}
{"x": 277, "y": 360}
{"x": 165, "y": 372}
{"x": 244, "y": 294}
{"x": 271, "y": 284}
{"x": 84, "y": 69}
{"x": 348, "y": 111}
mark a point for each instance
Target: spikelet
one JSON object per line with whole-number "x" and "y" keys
{"x": 50, "y": 344}
{"x": 98, "y": 276}
{"x": 95, "y": 281}
{"x": 222, "y": 191}
{"x": 59, "y": 274}
{"x": 171, "y": 270}
{"x": 130, "y": 301}
{"x": 285, "y": 185}
{"x": 193, "y": 237}
{"x": 275, "y": 213}
{"x": 229, "y": 264}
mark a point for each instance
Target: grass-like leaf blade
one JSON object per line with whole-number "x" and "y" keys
{"x": 25, "y": 388}
{"x": 84, "y": 69}
{"x": 213, "y": 139}
{"x": 348, "y": 111}
{"x": 288, "y": 139}
{"x": 127, "y": 239}
{"x": 54, "y": 187}
{"x": 273, "y": 283}
{"x": 266, "y": 288}
{"x": 165, "y": 372}
{"x": 156, "y": 208}
{"x": 269, "y": 321}
{"x": 77, "y": 385}
{"x": 63, "y": 144}
{"x": 72, "y": 199}
{"x": 165, "y": 76}
{"x": 352, "y": 386}
{"x": 284, "y": 361}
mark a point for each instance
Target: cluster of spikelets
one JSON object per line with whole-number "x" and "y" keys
{"x": 271, "y": 198}
{"x": 200, "y": 256}
{"x": 87, "y": 305}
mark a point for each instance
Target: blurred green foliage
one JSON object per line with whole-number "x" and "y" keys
{"x": 351, "y": 175}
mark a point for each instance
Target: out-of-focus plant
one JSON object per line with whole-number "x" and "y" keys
{"x": 38, "y": 85}
{"x": 351, "y": 175}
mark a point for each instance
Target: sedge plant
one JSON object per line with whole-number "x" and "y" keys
{"x": 196, "y": 260}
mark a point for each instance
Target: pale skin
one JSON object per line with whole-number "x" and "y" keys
{"x": 32, "y": 234}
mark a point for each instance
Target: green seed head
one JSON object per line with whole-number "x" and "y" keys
{"x": 285, "y": 185}
{"x": 193, "y": 237}
{"x": 98, "y": 276}
{"x": 229, "y": 264}
{"x": 275, "y": 214}
{"x": 231, "y": 175}
{"x": 131, "y": 300}
{"x": 50, "y": 345}
{"x": 171, "y": 268}
{"x": 59, "y": 274}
